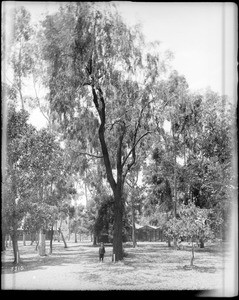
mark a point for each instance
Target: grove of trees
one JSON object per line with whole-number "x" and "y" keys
{"x": 119, "y": 120}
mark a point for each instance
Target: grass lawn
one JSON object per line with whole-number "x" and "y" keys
{"x": 150, "y": 266}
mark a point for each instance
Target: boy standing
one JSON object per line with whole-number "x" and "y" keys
{"x": 101, "y": 251}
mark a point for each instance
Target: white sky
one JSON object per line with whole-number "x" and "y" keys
{"x": 202, "y": 37}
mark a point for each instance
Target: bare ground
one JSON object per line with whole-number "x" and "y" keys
{"x": 150, "y": 266}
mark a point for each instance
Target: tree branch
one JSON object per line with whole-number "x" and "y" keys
{"x": 101, "y": 112}
{"x": 119, "y": 154}
{"x": 34, "y": 85}
{"x": 129, "y": 166}
{"x": 89, "y": 154}
{"x": 134, "y": 145}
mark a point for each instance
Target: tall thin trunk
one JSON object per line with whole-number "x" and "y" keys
{"x": 14, "y": 237}
{"x": 8, "y": 240}
{"x": 33, "y": 237}
{"x": 37, "y": 241}
{"x": 24, "y": 238}
{"x": 94, "y": 240}
{"x": 175, "y": 188}
{"x": 20, "y": 76}
{"x": 14, "y": 233}
{"x": 69, "y": 228}
{"x": 42, "y": 244}
{"x": 192, "y": 257}
{"x": 15, "y": 248}
{"x": 63, "y": 239}
{"x": 133, "y": 228}
{"x": 86, "y": 196}
{"x": 75, "y": 235}
{"x": 3, "y": 241}
{"x": 51, "y": 238}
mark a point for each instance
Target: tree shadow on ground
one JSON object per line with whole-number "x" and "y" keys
{"x": 59, "y": 257}
{"x": 136, "y": 258}
{"x": 201, "y": 269}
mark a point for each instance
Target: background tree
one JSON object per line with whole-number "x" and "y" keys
{"x": 135, "y": 197}
{"x": 192, "y": 224}
{"x": 21, "y": 58}
{"x": 16, "y": 175}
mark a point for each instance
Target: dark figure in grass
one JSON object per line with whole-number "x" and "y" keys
{"x": 101, "y": 251}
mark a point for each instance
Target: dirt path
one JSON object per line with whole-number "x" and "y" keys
{"x": 149, "y": 266}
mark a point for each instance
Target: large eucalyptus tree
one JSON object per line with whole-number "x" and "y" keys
{"x": 102, "y": 82}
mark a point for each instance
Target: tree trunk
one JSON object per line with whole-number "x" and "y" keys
{"x": 118, "y": 226}
{"x": 201, "y": 241}
{"x": 169, "y": 243}
{"x": 37, "y": 241}
{"x": 24, "y": 238}
{"x": 69, "y": 228}
{"x": 94, "y": 239}
{"x": 32, "y": 238}
{"x": 15, "y": 247}
{"x": 14, "y": 233}
{"x": 8, "y": 239}
{"x": 75, "y": 236}
{"x": 15, "y": 250}
{"x": 175, "y": 188}
{"x": 14, "y": 237}
{"x": 3, "y": 241}
{"x": 42, "y": 243}
{"x": 51, "y": 238}
{"x": 99, "y": 103}
{"x": 133, "y": 229}
{"x": 63, "y": 239}
{"x": 192, "y": 258}
{"x": 86, "y": 196}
